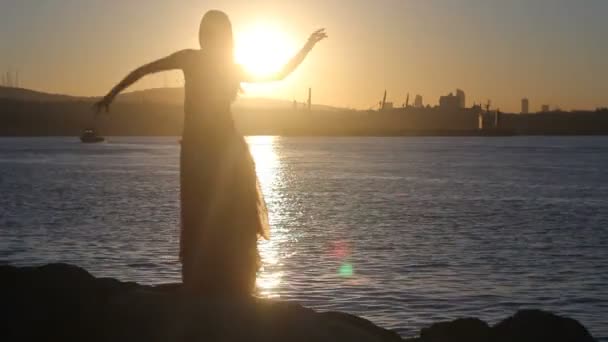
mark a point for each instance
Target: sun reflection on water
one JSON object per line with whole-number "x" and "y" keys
{"x": 268, "y": 169}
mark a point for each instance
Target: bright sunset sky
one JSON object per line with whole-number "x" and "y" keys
{"x": 552, "y": 51}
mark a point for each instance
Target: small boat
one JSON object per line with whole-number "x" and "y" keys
{"x": 89, "y": 136}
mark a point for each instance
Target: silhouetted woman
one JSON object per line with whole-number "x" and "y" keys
{"x": 222, "y": 209}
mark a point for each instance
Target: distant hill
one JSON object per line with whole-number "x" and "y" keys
{"x": 170, "y": 96}
{"x": 22, "y": 94}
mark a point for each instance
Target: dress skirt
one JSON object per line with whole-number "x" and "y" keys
{"x": 222, "y": 213}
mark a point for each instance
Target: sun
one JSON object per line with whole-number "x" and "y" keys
{"x": 263, "y": 49}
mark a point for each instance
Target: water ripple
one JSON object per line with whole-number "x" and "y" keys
{"x": 402, "y": 231}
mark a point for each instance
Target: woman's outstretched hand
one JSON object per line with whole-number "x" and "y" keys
{"x": 316, "y": 37}
{"x": 102, "y": 105}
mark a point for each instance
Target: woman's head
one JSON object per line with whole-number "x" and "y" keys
{"x": 215, "y": 33}
{"x": 218, "y": 44}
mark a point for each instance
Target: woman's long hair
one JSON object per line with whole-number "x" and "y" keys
{"x": 217, "y": 41}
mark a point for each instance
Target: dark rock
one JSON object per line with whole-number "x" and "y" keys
{"x": 65, "y": 303}
{"x": 535, "y": 325}
{"x": 365, "y": 326}
{"x": 524, "y": 326}
{"x": 464, "y": 329}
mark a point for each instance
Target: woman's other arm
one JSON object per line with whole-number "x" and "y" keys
{"x": 172, "y": 62}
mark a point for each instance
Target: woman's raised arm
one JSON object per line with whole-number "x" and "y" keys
{"x": 315, "y": 37}
{"x": 172, "y": 62}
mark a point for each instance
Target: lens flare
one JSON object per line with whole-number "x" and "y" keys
{"x": 340, "y": 249}
{"x": 346, "y": 270}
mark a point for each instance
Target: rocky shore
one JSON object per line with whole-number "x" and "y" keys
{"x": 60, "y": 302}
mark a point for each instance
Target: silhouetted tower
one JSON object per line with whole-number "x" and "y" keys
{"x": 383, "y": 104}
{"x": 488, "y": 106}
{"x": 461, "y": 98}
{"x": 525, "y": 106}
{"x": 309, "y": 103}
{"x": 418, "y": 102}
{"x": 497, "y": 115}
{"x": 407, "y": 100}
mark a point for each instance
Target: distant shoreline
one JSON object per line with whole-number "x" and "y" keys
{"x": 479, "y": 134}
{"x": 27, "y": 113}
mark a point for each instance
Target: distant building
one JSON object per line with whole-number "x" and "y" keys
{"x": 418, "y": 102}
{"x": 544, "y": 108}
{"x": 480, "y": 116}
{"x": 452, "y": 101}
{"x": 461, "y": 98}
{"x": 525, "y": 106}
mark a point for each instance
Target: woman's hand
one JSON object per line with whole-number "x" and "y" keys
{"x": 103, "y": 104}
{"x": 316, "y": 37}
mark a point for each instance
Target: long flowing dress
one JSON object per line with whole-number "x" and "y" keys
{"x": 222, "y": 209}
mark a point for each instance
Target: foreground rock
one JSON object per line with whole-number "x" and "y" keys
{"x": 524, "y": 326}
{"x": 65, "y": 303}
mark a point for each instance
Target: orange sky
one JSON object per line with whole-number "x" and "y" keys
{"x": 548, "y": 50}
